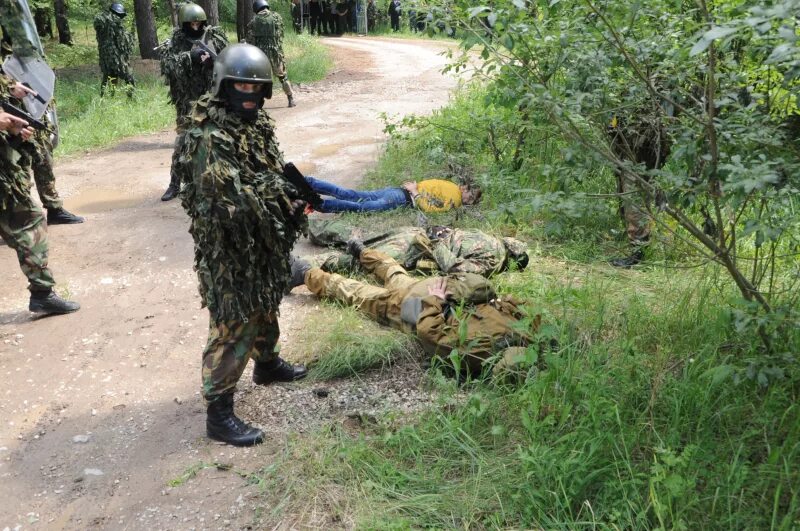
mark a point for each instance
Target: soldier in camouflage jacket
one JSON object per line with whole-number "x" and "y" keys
{"x": 187, "y": 68}
{"x": 266, "y": 32}
{"x": 114, "y": 46}
{"x": 244, "y": 221}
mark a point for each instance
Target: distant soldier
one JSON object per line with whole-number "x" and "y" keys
{"x": 435, "y": 249}
{"x": 187, "y": 60}
{"x": 372, "y": 15}
{"x": 266, "y": 32}
{"x": 22, "y": 224}
{"x": 114, "y": 45}
{"x": 38, "y": 152}
{"x": 244, "y": 220}
{"x": 456, "y": 312}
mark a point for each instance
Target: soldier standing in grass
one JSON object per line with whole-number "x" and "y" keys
{"x": 22, "y": 224}
{"x": 266, "y": 32}
{"x": 187, "y": 67}
{"x": 244, "y": 221}
{"x": 114, "y": 46}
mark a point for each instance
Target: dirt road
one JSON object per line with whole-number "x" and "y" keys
{"x": 100, "y": 410}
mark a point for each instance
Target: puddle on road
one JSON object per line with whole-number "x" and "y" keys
{"x": 101, "y": 200}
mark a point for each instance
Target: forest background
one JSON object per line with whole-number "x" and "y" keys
{"x": 668, "y": 396}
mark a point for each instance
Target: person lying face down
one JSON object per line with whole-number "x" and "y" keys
{"x": 436, "y": 248}
{"x": 458, "y": 311}
{"x": 431, "y": 195}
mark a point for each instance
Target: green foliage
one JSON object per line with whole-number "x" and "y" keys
{"x": 624, "y": 427}
{"x": 89, "y": 121}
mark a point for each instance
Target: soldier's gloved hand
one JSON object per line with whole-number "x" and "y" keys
{"x": 199, "y": 56}
{"x": 298, "y": 207}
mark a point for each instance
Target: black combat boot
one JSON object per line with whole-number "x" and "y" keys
{"x": 171, "y": 192}
{"x": 223, "y": 425}
{"x": 277, "y": 370}
{"x": 627, "y": 262}
{"x": 61, "y": 216}
{"x": 49, "y": 302}
{"x": 291, "y": 102}
{"x": 300, "y": 267}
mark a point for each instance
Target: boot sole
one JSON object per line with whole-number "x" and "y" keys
{"x": 50, "y": 312}
{"x": 65, "y": 222}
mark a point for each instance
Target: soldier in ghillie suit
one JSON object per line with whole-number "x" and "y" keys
{"x": 455, "y": 312}
{"x": 38, "y": 152}
{"x": 115, "y": 46}
{"x": 245, "y": 219}
{"x": 639, "y": 138}
{"x": 22, "y": 224}
{"x": 266, "y": 32}
{"x": 187, "y": 61}
{"x": 434, "y": 249}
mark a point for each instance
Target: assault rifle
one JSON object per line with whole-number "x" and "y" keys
{"x": 304, "y": 190}
{"x": 204, "y": 47}
{"x": 19, "y": 113}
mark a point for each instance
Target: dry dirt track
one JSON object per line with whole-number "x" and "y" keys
{"x": 99, "y": 410}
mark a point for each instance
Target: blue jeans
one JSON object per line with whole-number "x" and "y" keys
{"x": 346, "y": 200}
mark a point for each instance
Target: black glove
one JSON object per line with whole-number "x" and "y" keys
{"x": 197, "y": 56}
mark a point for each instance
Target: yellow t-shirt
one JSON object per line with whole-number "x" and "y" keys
{"x": 438, "y": 195}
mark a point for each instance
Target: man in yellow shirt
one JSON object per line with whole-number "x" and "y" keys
{"x": 431, "y": 195}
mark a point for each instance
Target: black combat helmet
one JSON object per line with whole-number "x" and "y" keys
{"x": 242, "y": 63}
{"x": 258, "y": 5}
{"x": 118, "y": 9}
{"x": 189, "y": 13}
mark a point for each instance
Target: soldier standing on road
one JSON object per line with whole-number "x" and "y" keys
{"x": 114, "y": 45}
{"x": 38, "y": 151}
{"x": 244, "y": 222}
{"x": 22, "y": 224}
{"x": 187, "y": 68}
{"x": 266, "y": 32}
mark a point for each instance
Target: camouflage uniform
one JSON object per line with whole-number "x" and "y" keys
{"x": 22, "y": 224}
{"x": 39, "y": 153}
{"x": 243, "y": 226}
{"x": 187, "y": 81}
{"x": 372, "y": 15}
{"x": 487, "y": 324}
{"x": 456, "y": 251}
{"x": 266, "y": 32}
{"x": 115, "y": 46}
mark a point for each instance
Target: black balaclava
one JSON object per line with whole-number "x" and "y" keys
{"x": 235, "y": 99}
{"x": 192, "y": 33}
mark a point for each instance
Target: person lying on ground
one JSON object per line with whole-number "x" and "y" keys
{"x": 455, "y": 312}
{"x": 431, "y": 195}
{"x": 436, "y": 248}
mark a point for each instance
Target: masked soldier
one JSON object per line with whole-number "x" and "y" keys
{"x": 38, "y": 151}
{"x": 244, "y": 221}
{"x": 22, "y": 224}
{"x": 266, "y": 32}
{"x": 115, "y": 45}
{"x": 187, "y": 61}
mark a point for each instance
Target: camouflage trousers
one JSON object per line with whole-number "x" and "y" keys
{"x": 634, "y": 212}
{"x": 230, "y": 345}
{"x": 279, "y": 70}
{"x": 39, "y": 155}
{"x": 383, "y": 304}
{"x": 24, "y": 230}
{"x": 114, "y": 78}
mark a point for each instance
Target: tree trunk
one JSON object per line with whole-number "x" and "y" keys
{"x": 211, "y": 7}
{"x": 42, "y": 19}
{"x": 146, "y": 28}
{"x": 62, "y": 23}
{"x": 244, "y": 14}
{"x": 173, "y": 13}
